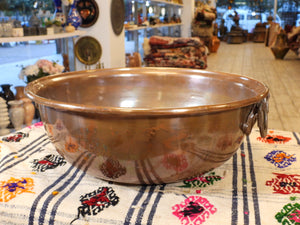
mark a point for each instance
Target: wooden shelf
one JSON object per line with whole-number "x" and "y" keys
{"x": 167, "y": 2}
{"x": 153, "y": 27}
{"x": 164, "y": 2}
{"x": 42, "y": 37}
{"x": 166, "y": 25}
{"x": 136, "y": 28}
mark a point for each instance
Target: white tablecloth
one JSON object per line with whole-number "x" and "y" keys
{"x": 260, "y": 184}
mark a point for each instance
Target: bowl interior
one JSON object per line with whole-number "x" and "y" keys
{"x": 147, "y": 88}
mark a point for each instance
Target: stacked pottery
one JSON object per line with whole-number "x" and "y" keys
{"x": 4, "y": 117}
{"x": 16, "y": 113}
{"x": 29, "y": 111}
{"x": 20, "y": 92}
{"x": 7, "y": 95}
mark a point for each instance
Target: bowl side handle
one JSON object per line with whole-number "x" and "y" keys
{"x": 259, "y": 113}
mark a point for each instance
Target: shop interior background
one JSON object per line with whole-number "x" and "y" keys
{"x": 14, "y": 55}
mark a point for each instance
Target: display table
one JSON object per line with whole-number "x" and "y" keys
{"x": 260, "y": 184}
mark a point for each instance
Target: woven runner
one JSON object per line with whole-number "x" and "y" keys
{"x": 260, "y": 184}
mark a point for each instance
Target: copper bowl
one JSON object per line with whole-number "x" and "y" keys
{"x": 148, "y": 125}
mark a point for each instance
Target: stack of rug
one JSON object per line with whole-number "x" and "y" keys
{"x": 175, "y": 52}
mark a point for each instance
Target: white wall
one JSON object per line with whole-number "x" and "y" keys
{"x": 187, "y": 17}
{"x": 113, "y": 46}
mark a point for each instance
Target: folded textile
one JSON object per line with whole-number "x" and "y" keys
{"x": 171, "y": 42}
{"x": 175, "y": 52}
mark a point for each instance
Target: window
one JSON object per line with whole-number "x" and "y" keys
{"x": 253, "y": 17}
{"x": 287, "y": 13}
{"x": 14, "y": 55}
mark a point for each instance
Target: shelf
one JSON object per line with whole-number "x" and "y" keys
{"x": 135, "y": 34}
{"x": 167, "y": 2}
{"x": 153, "y": 27}
{"x": 166, "y": 25}
{"x": 164, "y": 2}
{"x": 42, "y": 37}
{"x": 136, "y": 28}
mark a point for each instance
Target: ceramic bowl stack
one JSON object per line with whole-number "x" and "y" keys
{"x": 4, "y": 117}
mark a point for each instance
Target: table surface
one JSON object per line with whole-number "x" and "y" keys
{"x": 260, "y": 184}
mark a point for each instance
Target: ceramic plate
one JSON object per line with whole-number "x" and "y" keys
{"x": 89, "y": 12}
{"x": 117, "y": 15}
{"x": 88, "y": 50}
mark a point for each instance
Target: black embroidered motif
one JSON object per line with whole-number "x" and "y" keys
{"x": 94, "y": 202}
{"x": 192, "y": 209}
{"x": 48, "y": 162}
{"x": 15, "y": 137}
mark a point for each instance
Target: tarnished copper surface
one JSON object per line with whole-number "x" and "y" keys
{"x": 149, "y": 125}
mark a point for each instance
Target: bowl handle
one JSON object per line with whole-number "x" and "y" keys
{"x": 259, "y": 112}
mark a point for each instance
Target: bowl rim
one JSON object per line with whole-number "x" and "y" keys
{"x": 34, "y": 86}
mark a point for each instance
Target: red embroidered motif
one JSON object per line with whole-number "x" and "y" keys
{"x": 285, "y": 184}
{"x": 15, "y": 137}
{"x": 274, "y": 139}
{"x": 98, "y": 198}
{"x": 13, "y": 187}
{"x": 95, "y": 202}
{"x": 48, "y": 162}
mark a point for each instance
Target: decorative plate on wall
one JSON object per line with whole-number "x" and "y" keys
{"x": 117, "y": 15}
{"x": 89, "y": 12}
{"x": 88, "y": 50}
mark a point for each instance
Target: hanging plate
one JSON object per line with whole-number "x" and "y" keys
{"x": 89, "y": 12}
{"x": 117, "y": 15}
{"x": 88, "y": 50}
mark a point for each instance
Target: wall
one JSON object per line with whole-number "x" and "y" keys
{"x": 113, "y": 46}
{"x": 187, "y": 17}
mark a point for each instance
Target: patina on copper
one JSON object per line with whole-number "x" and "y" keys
{"x": 149, "y": 125}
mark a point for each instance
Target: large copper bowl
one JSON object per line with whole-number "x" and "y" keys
{"x": 148, "y": 125}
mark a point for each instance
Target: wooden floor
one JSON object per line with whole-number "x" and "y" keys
{"x": 281, "y": 76}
